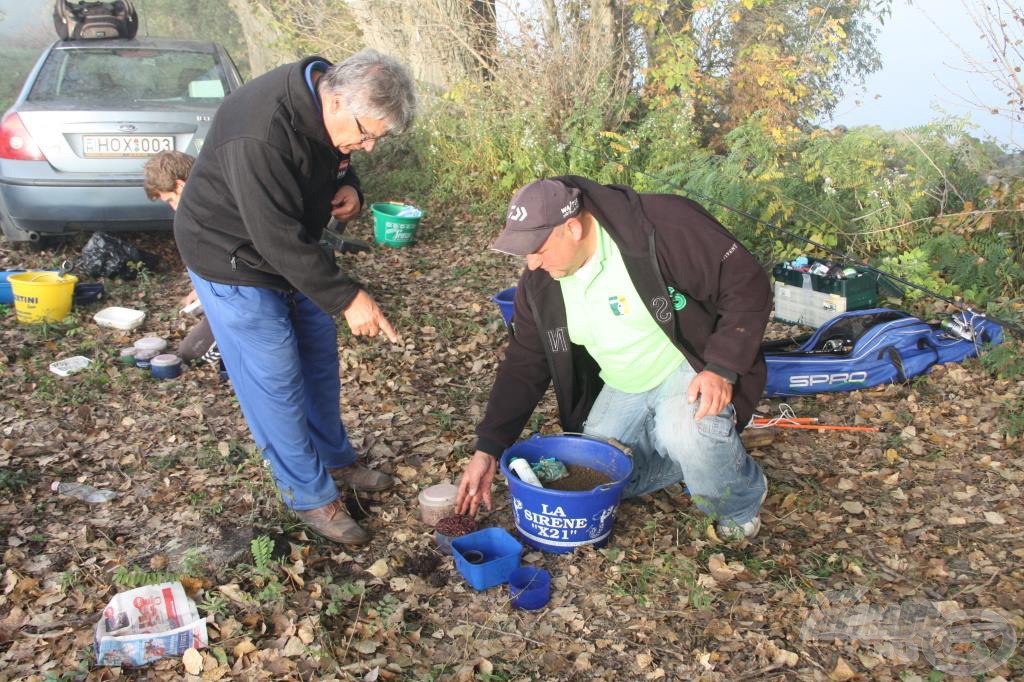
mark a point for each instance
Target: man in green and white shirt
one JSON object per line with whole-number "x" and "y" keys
{"x": 647, "y": 315}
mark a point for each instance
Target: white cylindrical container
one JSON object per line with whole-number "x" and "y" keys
{"x": 523, "y": 470}
{"x": 437, "y": 502}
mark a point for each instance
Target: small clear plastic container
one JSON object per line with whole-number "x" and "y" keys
{"x": 127, "y": 355}
{"x": 437, "y": 502}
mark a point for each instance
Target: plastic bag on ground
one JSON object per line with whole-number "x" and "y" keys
{"x": 107, "y": 256}
{"x": 146, "y": 624}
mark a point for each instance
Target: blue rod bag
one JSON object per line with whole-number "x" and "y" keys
{"x": 865, "y": 348}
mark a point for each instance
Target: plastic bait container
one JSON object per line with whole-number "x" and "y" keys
{"x": 498, "y": 553}
{"x": 151, "y": 343}
{"x": 166, "y": 366}
{"x": 144, "y": 358}
{"x": 116, "y": 317}
{"x": 529, "y": 588}
{"x": 437, "y": 502}
{"x": 126, "y": 356}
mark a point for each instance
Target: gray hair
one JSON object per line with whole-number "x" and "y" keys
{"x": 374, "y": 85}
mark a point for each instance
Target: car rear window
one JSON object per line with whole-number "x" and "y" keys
{"x": 129, "y": 77}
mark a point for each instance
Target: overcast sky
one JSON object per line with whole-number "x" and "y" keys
{"x": 922, "y": 71}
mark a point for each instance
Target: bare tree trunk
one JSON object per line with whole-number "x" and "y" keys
{"x": 262, "y": 39}
{"x": 552, "y": 28}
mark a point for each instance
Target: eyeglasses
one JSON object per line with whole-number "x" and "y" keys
{"x": 364, "y": 136}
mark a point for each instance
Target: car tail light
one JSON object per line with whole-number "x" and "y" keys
{"x": 15, "y": 142}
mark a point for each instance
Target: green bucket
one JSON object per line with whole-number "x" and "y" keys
{"x": 392, "y": 229}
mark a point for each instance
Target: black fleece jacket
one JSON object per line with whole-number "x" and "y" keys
{"x": 258, "y": 197}
{"x": 707, "y": 293}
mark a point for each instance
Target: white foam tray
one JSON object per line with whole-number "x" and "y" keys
{"x": 115, "y": 317}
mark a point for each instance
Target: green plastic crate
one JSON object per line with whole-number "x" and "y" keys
{"x": 860, "y": 292}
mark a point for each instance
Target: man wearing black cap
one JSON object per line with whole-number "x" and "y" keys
{"x": 647, "y": 315}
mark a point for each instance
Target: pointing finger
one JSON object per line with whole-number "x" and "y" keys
{"x": 388, "y": 329}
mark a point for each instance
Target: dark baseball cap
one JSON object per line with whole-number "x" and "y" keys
{"x": 534, "y": 211}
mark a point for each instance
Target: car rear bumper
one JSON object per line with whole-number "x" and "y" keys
{"x": 52, "y": 208}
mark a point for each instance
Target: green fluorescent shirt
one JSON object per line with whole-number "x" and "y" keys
{"x": 607, "y": 317}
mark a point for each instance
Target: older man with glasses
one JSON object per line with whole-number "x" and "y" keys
{"x": 272, "y": 172}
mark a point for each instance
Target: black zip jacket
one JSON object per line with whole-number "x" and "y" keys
{"x": 259, "y": 195}
{"x": 707, "y": 292}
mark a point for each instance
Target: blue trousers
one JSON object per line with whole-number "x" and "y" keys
{"x": 669, "y": 446}
{"x": 281, "y": 352}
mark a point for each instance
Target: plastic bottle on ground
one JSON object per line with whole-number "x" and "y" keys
{"x": 81, "y": 491}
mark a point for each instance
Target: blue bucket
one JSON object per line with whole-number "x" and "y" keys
{"x": 6, "y": 294}
{"x": 559, "y": 521}
{"x": 506, "y": 301}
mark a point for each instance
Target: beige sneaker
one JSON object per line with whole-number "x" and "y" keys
{"x": 333, "y": 522}
{"x": 358, "y": 477}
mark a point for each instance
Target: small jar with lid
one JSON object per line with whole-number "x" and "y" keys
{"x": 166, "y": 366}
{"x": 144, "y": 358}
{"x": 437, "y": 502}
{"x": 127, "y": 355}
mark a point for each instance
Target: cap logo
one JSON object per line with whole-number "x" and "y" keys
{"x": 570, "y": 208}
{"x": 517, "y": 213}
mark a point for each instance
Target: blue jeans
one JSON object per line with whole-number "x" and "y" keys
{"x": 281, "y": 352}
{"x": 669, "y": 446}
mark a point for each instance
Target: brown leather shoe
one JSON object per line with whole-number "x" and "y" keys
{"x": 334, "y": 523}
{"x": 358, "y": 477}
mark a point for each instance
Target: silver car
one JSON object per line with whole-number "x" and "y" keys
{"x": 89, "y": 115}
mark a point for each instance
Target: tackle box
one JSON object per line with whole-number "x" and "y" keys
{"x": 809, "y": 299}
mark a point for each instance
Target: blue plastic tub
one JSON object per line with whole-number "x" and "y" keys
{"x": 529, "y": 588}
{"x": 6, "y": 295}
{"x": 500, "y": 556}
{"x": 559, "y": 521}
{"x": 506, "y": 301}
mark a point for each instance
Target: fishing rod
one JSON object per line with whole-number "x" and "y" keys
{"x": 1018, "y": 331}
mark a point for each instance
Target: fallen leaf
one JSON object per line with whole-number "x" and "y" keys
{"x": 842, "y": 671}
{"x": 293, "y": 647}
{"x": 235, "y": 593}
{"x": 995, "y": 518}
{"x": 366, "y": 646}
{"x": 720, "y": 570}
{"x": 853, "y": 507}
{"x": 193, "y": 661}
{"x": 379, "y": 568}
{"x": 244, "y": 647}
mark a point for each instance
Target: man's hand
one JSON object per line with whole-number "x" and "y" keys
{"x": 192, "y": 296}
{"x": 365, "y": 318}
{"x": 345, "y": 205}
{"x": 714, "y": 391}
{"x": 475, "y": 484}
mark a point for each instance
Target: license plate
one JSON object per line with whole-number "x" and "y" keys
{"x": 126, "y": 145}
